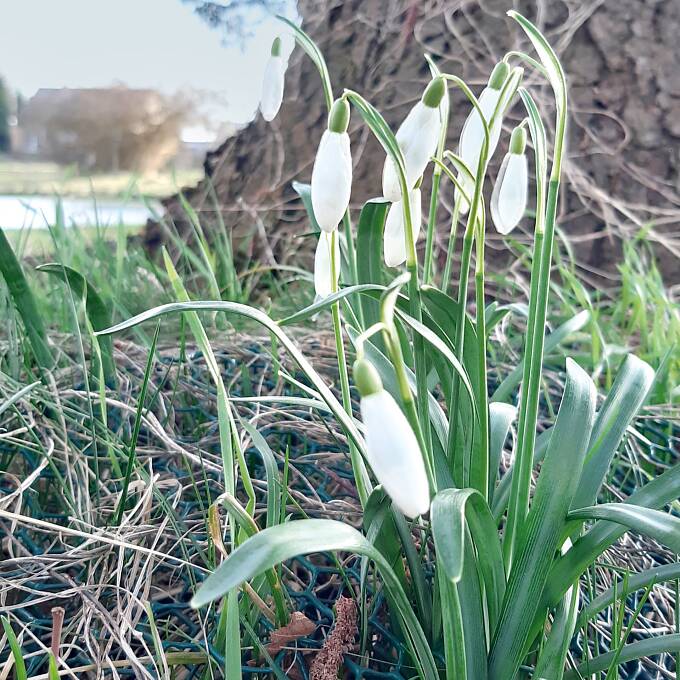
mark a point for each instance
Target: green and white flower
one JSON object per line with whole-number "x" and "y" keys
{"x": 509, "y": 198}
{"x": 417, "y": 138}
{"x": 472, "y": 136}
{"x": 391, "y": 445}
{"x": 324, "y": 283}
{"x": 272, "y": 83}
{"x": 332, "y": 173}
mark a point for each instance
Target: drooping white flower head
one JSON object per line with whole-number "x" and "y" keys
{"x": 272, "y": 83}
{"x": 472, "y": 135}
{"x": 332, "y": 173}
{"x": 391, "y": 446}
{"x": 417, "y": 137}
{"x": 509, "y": 198}
{"x": 323, "y": 279}
{"x": 394, "y": 238}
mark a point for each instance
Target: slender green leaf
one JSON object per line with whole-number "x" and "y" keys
{"x": 370, "y": 246}
{"x": 98, "y": 313}
{"x": 545, "y": 522}
{"x": 285, "y": 541}
{"x": 660, "y": 526}
{"x": 627, "y": 394}
{"x": 504, "y": 390}
{"x": 15, "y": 648}
{"x": 273, "y": 327}
{"x": 23, "y": 298}
{"x": 635, "y": 650}
{"x": 329, "y": 301}
{"x": 455, "y": 511}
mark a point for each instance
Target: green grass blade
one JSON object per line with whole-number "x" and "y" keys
{"x": 15, "y": 648}
{"x": 264, "y": 320}
{"x": 545, "y": 522}
{"x": 304, "y": 191}
{"x": 285, "y": 541}
{"x": 22, "y": 296}
{"x": 624, "y": 587}
{"x": 329, "y": 301}
{"x": 136, "y": 428}
{"x": 635, "y": 650}
{"x": 97, "y": 312}
{"x": 505, "y": 389}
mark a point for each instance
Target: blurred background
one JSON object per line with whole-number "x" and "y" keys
{"x": 132, "y": 101}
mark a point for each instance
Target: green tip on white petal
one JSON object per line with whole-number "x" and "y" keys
{"x": 434, "y": 92}
{"x": 338, "y": 118}
{"x": 276, "y": 47}
{"x": 498, "y": 75}
{"x": 518, "y": 140}
{"x": 366, "y": 377}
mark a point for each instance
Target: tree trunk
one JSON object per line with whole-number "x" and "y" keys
{"x": 621, "y": 174}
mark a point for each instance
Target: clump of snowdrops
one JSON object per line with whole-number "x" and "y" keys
{"x": 504, "y": 599}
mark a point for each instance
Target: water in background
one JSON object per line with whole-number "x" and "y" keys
{"x": 37, "y": 212}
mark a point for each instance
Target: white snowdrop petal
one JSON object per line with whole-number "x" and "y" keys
{"x": 331, "y": 179}
{"x": 472, "y": 138}
{"x": 394, "y": 237}
{"x": 394, "y": 454}
{"x": 323, "y": 284}
{"x": 417, "y": 137}
{"x": 272, "y": 87}
{"x": 509, "y": 198}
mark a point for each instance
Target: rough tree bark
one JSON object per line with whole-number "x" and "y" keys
{"x": 623, "y": 63}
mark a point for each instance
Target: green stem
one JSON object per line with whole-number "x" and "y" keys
{"x": 352, "y": 259}
{"x": 540, "y": 285}
{"x": 446, "y": 278}
{"x": 418, "y": 341}
{"x": 431, "y": 225}
{"x": 458, "y": 466}
{"x": 361, "y": 477}
{"x": 479, "y": 471}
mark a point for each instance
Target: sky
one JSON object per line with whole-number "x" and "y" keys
{"x": 160, "y": 44}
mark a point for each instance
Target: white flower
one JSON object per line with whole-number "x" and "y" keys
{"x": 394, "y": 455}
{"x": 331, "y": 179}
{"x": 472, "y": 135}
{"x": 417, "y": 138}
{"x": 272, "y": 83}
{"x": 394, "y": 239}
{"x": 509, "y": 198}
{"x": 323, "y": 281}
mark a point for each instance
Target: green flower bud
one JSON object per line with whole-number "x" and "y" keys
{"x": 434, "y": 92}
{"x": 498, "y": 75}
{"x": 518, "y": 140}
{"x": 338, "y": 118}
{"x": 366, "y": 378}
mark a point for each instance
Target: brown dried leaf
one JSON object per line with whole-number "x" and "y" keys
{"x": 299, "y": 626}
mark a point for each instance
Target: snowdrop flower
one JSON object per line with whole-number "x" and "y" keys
{"x": 509, "y": 198}
{"x": 323, "y": 280}
{"x": 472, "y": 136}
{"x": 332, "y": 173}
{"x": 417, "y": 137}
{"x": 391, "y": 446}
{"x": 394, "y": 240}
{"x": 272, "y": 83}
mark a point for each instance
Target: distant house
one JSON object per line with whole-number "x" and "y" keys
{"x": 102, "y": 129}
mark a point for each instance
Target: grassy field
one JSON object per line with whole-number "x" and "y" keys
{"x": 43, "y": 178}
